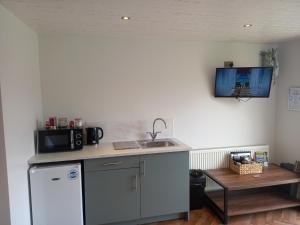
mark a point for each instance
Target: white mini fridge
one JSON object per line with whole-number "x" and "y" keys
{"x": 56, "y": 195}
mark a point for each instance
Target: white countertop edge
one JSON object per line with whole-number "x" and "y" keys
{"x": 105, "y": 150}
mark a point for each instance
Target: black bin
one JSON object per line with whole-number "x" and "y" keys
{"x": 197, "y": 186}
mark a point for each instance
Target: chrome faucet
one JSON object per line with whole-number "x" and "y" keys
{"x": 153, "y": 134}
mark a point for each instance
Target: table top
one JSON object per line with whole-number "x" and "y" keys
{"x": 271, "y": 176}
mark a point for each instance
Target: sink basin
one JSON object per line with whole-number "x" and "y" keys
{"x": 144, "y": 144}
{"x": 156, "y": 144}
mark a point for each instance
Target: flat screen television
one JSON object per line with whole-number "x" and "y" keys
{"x": 243, "y": 82}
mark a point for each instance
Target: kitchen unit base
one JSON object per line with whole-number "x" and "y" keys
{"x": 134, "y": 186}
{"x": 140, "y": 190}
{"x": 185, "y": 216}
{"x": 176, "y": 216}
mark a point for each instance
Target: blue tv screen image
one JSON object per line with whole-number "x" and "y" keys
{"x": 243, "y": 82}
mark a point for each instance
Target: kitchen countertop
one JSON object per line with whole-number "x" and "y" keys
{"x": 104, "y": 150}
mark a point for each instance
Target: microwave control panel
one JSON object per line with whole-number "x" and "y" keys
{"x": 78, "y": 138}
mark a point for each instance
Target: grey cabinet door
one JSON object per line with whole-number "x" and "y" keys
{"x": 112, "y": 196}
{"x": 164, "y": 184}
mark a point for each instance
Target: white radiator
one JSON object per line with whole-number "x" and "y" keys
{"x": 219, "y": 157}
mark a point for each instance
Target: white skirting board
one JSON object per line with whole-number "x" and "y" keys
{"x": 216, "y": 158}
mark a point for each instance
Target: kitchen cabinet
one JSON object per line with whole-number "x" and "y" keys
{"x": 134, "y": 188}
{"x": 164, "y": 184}
{"x": 111, "y": 195}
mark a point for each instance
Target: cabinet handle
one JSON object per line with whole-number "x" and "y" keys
{"x": 134, "y": 187}
{"x": 112, "y": 163}
{"x": 143, "y": 168}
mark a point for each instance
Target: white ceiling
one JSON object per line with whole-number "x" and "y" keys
{"x": 221, "y": 20}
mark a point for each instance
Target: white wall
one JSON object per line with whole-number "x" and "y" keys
{"x": 288, "y": 122}
{"x": 21, "y": 104}
{"x": 117, "y": 79}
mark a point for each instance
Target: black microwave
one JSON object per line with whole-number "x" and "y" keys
{"x": 59, "y": 140}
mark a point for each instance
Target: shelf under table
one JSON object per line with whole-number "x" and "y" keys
{"x": 252, "y": 202}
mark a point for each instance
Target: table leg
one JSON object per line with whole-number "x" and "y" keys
{"x": 226, "y": 217}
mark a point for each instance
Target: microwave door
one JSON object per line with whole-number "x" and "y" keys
{"x": 55, "y": 141}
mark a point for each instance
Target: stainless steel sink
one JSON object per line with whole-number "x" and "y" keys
{"x": 156, "y": 144}
{"x": 160, "y": 143}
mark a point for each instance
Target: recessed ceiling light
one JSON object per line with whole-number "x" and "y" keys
{"x": 248, "y": 25}
{"x": 125, "y": 17}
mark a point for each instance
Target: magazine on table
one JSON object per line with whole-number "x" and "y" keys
{"x": 262, "y": 157}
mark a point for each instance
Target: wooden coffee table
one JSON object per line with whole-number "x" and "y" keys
{"x": 230, "y": 194}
